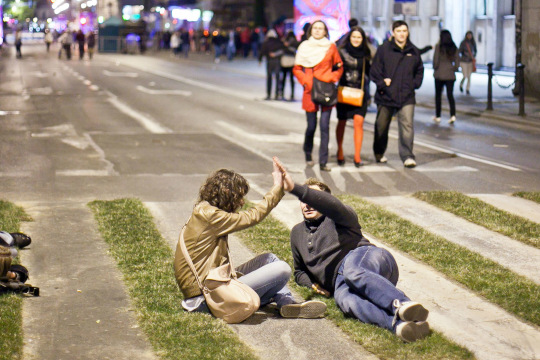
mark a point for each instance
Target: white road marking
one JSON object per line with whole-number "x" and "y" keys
{"x": 289, "y": 138}
{"x": 3, "y": 113}
{"x": 16, "y": 174}
{"x": 500, "y": 145}
{"x": 445, "y": 169}
{"x": 87, "y": 82}
{"x": 82, "y": 172}
{"x": 120, "y": 74}
{"x": 39, "y": 74}
{"x": 148, "y": 123}
{"x": 163, "y": 92}
{"x": 94, "y": 87}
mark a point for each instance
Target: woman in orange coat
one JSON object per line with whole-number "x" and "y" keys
{"x": 317, "y": 57}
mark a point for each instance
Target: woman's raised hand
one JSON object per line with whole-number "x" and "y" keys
{"x": 277, "y": 175}
{"x": 288, "y": 183}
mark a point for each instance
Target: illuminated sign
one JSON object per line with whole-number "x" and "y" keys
{"x": 334, "y": 13}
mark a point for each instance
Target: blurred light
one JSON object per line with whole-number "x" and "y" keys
{"x": 186, "y": 14}
{"x": 167, "y": 25}
{"x": 101, "y": 19}
{"x": 57, "y": 3}
{"x": 207, "y": 15}
{"x": 126, "y": 17}
{"x": 35, "y": 19}
{"x": 49, "y": 20}
{"x": 13, "y": 8}
{"x": 83, "y": 21}
{"x": 136, "y": 16}
{"x": 162, "y": 11}
{"x": 215, "y": 33}
{"x": 83, "y": 6}
{"x": 61, "y": 8}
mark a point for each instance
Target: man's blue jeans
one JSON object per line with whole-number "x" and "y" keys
{"x": 405, "y": 116}
{"x": 366, "y": 286}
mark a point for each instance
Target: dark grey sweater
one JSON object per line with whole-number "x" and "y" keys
{"x": 319, "y": 246}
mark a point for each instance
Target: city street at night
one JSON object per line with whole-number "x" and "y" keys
{"x": 154, "y": 126}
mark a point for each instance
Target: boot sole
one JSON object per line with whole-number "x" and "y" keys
{"x": 305, "y": 310}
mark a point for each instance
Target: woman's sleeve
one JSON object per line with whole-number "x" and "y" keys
{"x": 436, "y": 57}
{"x": 336, "y": 59}
{"x": 225, "y": 222}
{"x": 300, "y": 75}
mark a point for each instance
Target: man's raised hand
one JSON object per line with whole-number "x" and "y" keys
{"x": 288, "y": 183}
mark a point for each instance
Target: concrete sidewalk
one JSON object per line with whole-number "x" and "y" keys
{"x": 505, "y": 104}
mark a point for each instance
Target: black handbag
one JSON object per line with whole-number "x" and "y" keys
{"x": 323, "y": 93}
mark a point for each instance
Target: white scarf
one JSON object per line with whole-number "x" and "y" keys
{"x": 311, "y": 52}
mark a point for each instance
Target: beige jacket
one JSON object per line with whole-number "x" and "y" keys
{"x": 204, "y": 229}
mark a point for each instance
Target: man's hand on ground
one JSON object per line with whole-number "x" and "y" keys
{"x": 319, "y": 290}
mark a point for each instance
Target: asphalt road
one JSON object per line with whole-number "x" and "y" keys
{"x": 110, "y": 124}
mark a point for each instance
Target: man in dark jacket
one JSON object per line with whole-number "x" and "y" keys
{"x": 272, "y": 48}
{"x": 398, "y": 71}
{"x": 331, "y": 256}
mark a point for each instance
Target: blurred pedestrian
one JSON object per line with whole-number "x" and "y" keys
{"x": 81, "y": 39}
{"x": 317, "y": 57}
{"x": 397, "y": 70}
{"x": 272, "y": 49}
{"x": 48, "y": 39}
{"x": 231, "y": 45}
{"x": 245, "y": 41}
{"x": 305, "y": 32}
{"x": 352, "y": 23}
{"x": 356, "y": 56}
{"x": 185, "y": 40}
{"x": 467, "y": 52}
{"x": 175, "y": 43}
{"x": 219, "y": 41}
{"x": 66, "y": 39}
{"x": 91, "y": 43}
{"x": 18, "y": 43}
{"x": 255, "y": 43}
{"x": 287, "y": 62}
{"x": 445, "y": 65}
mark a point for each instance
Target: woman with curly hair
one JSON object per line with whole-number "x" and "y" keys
{"x": 217, "y": 214}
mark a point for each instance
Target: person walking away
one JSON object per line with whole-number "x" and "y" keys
{"x": 18, "y": 43}
{"x": 231, "y": 45}
{"x": 66, "y": 39}
{"x": 185, "y": 41}
{"x": 332, "y": 257}
{"x": 218, "y": 40}
{"x": 216, "y": 215}
{"x": 255, "y": 44}
{"x": 445, "y": 65}
{"x": 48, "y": 39}
{"x": 287, "y": 62}
{"x": 397, "y": 70}
{"x": 175, "y": 43}
{"x": 272, "y": 49}
{"x": 467, "y": 52}
{"x": 245, "y": 41}
{"x": 356, "y": 56}
{"x": 91, "y": 43}
{"x": 317, "y": 57}
{"x": 81, "y": 39}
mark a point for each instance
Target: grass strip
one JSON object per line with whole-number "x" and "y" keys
{"x": 484, "y": 214}
{"x": 529, "y": 195}
{"x": 514, "y": 293}
{"x": 146, "y": 263}
{"x": 272, "y": 236}
{"x": 11, "y": 343}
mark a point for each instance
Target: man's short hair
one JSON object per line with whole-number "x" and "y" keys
{"x": 320, "y": 184}
{"x": 399, "y": 23}
{"x": 352, "y": 23}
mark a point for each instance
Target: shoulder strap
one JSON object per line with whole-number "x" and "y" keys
{"x": 182, "y": 243}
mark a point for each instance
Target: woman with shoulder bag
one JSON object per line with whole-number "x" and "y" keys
{"x": 356, "y": 57}
{"x": 445, "y": 65}
{"x": 204, "y": 241}
{"x": 287, "y": 62}
{"x": 317, "y": 59}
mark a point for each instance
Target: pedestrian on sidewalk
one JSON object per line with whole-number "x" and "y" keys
{"x": 48, "y": 39}
{"x": 272, "y": 49}
{"x": 445, "y": 65}
{"x": 185, "y": 41}
{"x": 356, "y": 56}
{"x": 81, "y": 39}
{"x": 218, "y": 41}
{"x": 467, "y": 52}
{"x": 66, "y": 39}
{"x": 18, "y": 43}
{"x": 216, "y": 215}
{"x": 231, "y": 45}
{"x": 290, "y": 45}
{"x": 398, "y": 71}
{"x": 91, "y": 43}
{"x": 317, "y": 57}
{"x": 175, "y": 43}
{"x": 332, "y": 257}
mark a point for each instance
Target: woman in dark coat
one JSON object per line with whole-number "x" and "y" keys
{"x": 445, "y": 64}
{"x": 356, "y": 57}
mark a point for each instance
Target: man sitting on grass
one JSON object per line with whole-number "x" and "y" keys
{"x": 332, "y": 256}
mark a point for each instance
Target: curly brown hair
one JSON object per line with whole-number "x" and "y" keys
{"x": 319, "y": 184}
{"x": 224, "y": 189}
{"x": 5, "y": 260}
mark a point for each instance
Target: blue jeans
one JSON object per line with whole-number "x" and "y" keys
{"x": 268, "y": 276}
{"x": 405, "y": 117}
{"x": 366, "y": 286}
{"x": 310, "y": 134}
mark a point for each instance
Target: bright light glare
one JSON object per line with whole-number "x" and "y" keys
{"x": 101, "y": 19}
{"x": 61, "y": 8}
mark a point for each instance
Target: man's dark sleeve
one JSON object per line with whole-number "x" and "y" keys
{"x": 376, "y": 72}
{"x": 326, "y": 204}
